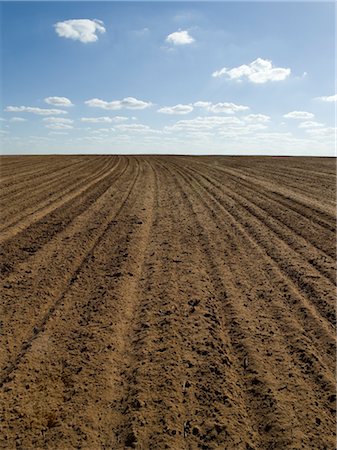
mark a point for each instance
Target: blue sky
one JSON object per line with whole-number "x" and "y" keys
{"x": 194, "y": 77}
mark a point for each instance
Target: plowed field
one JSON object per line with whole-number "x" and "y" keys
{"x": 167, "y": 302}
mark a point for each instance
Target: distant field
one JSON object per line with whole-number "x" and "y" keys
{"x": 167, "y": 302}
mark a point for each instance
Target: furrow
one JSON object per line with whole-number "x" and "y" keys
{"x": 275, "y": 399}
{"x": 49, "y": 203}
{"x": 28, "y": 241}
{"x": 41, "y": 325}
{"x": 301, "y": 277}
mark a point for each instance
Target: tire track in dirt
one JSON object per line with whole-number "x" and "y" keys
{"x": 27, "y": 242}
{"x": 36, "y": 194}
{"x": 305, "y": 228}
{"x": 304, "y": 314}
{"x": 161, "y": 314}
{"x": 319, "y": 325}
{"x": 9, "y": 191}
{"x": 280, "y": 254}
{"x": 258, "y": 388}
{"x": 177, "y": 369}
{"x": 86, "y": 311}
{"x": 327, "y": 384}
{"x": 309, "y": 208}
{"x": 40, "y": 325}
{"x": 47, "y": 206}
{"x": 33, "y": 284}
{"x": 270, "y": 211}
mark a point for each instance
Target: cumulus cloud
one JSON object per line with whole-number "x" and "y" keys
{"x": 137, "y": 128}
{"x": 116, "y": 119}
{"x": 329, "y": 98}
{"x": 322, "y": 132}
{"x": 259, "y": 71}
{"x": 133, "y": 127}
{"x": 83, "y": 30}
{"x": 57, "y": 120}
{"x": 299, "y": 115}
{"x": 128, "y": 103}
{"x": 58, "y": 101}
{"x": 257, "y": 118}
{"x": 119, "y": 119}
{"x": 203, "y": 123}
{"x": 177, "y": 109}
{"x": 58, "y": 123}
{"x": 180, "y": 38}
{"x": 18, "y": 119}
{"x": 33, "y": 110}
{"x": 97, "y": 119}
{"x": 232, "y": 126}
{"x": 228, "y": 108}
{"x": 59, "y": 126}
{"x": 310, "y": 124}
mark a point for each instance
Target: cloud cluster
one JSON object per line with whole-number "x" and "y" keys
{"x": 58, "y": 123}
{"x": 128, "y": 103}
{"x": 83, "y": 30}
{"x": 310, "y": 124}
{"x": 329, "y": 98}
{"x": 18, "y": 119}
{"x": 180, "y": 38}
{"x": 58, "y": 101}
{"x": 228, "y": 108}
{"x": 116, "y": 119}
{"x": 216, "y": 108}
{"x": 137, "y": 128}
{"x": 33, "y": 110}
{"x": 177, "y": 109}
{"x": 299, "y": 115}
{"x": 258, "y": 71}
{"x": 224, "y": 125}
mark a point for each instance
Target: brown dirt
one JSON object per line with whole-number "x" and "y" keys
{"x": 167, "y": 302}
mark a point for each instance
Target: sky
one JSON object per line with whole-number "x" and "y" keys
{"x": 168, "y": 77}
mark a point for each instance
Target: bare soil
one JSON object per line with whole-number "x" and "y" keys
{"x": 162, "y": 302}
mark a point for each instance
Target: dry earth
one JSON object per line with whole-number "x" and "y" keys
{"x": 167, "y": 302}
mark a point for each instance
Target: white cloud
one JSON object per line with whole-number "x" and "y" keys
{"x": 329, "y": 98}
{"x": 59, "y": 126}
{"x": 259, "y": 71}
{"x": 310, "y": 124}
{"x": 180, "y": 38}
{"x": 58, "y": 123}
{"x": 58, "y": 101}
{"x": 257, "y": 118}
{"x": 116, "y": 119}
{"x": 203, "y": 123}
{"x": 119, "y": 119}
{"x": 233, "y": 127}
{"x": 128, "y": 103}
{"x": 177, "y": 109}
{"x": 83, "y": 30}
{"x": 322, "y": 133}
{"x": 101, "y": 131}
{"x": 18, "y": 119}
{"x": 57, "y": 120}
{"x": 97, "y": 119}
{"x": 299, "y": 115}
{"x": 33, "y": 110}
{"x": 136, "y": 128}
{"x": 228, "y": 108}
